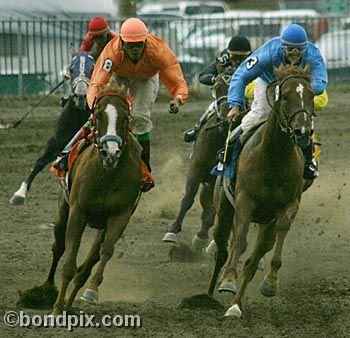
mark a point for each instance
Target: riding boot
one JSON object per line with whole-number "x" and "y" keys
{"x": 190, "y": 135}
{"x": 147, "y": 177}
{"x": 310, "y": 170}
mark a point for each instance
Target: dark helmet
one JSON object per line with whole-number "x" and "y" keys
{"x": 239, "y": 45}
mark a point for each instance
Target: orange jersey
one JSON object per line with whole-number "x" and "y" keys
{"x": 157, "y": 57}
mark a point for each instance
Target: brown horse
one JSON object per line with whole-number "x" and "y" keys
{"x": 104, "y": 183}
{"x": 268, "y": 187}
{"x": 210, "y": 140}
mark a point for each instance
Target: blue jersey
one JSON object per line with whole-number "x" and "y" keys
{"x": 261, "y": 62}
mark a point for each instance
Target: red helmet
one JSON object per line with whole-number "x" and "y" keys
{"x": 98, "y": 26}
{"x": 133, "y": 30}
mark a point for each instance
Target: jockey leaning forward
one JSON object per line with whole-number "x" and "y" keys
{"x": 237, "y": 50}
{"x": 141, "y": 59}
{"x": 292, "y": 47}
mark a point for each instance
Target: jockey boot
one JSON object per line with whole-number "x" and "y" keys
{"x": 310, "y": 170}
{"x": 147, "y": 177}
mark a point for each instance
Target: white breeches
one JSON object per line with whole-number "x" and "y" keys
{"x": 260, "y": 108}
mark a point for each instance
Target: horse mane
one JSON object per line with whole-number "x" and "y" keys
{"x": 285, "y": 70}
{"x": 115, "y": 85}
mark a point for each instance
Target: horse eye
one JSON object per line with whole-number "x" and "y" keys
{"x": 284, "y": 97}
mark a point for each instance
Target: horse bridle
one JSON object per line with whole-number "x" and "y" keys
{"x": 99, "y": 141}
{"x": 285, "y": 127}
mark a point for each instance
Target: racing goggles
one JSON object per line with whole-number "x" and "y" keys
{"x": 294, "y": 50}
{"x": 132, "y": 45}
{"x": 238, "y": 57}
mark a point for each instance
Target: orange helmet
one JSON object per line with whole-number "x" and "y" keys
{"x": 133, "y": 30}
{"x": 98, "y": 26}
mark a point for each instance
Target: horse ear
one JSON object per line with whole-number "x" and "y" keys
{"x": 277, "y": 71}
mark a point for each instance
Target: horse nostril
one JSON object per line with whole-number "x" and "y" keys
{"x": 298, "y": 132}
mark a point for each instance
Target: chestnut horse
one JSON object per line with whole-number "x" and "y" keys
{"x": 211, "y": 138}
{"x": 268, "y": 187}
{"x": 104, "y": 187}
{"x": 74, "y": 114}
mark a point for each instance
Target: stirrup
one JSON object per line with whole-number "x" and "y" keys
{"x": 61, "y": 163}
{"x": 190, "y": 135}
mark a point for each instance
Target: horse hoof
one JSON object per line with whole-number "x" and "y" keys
{"x": 234, "y": 311}
{"x": 199, "y": 243}
{"x": 17, "y": 200}
{"x": 228, "y": 287}
{"x": 170, "y": 237}
{"x": 90, "y": 296}
{"x": 20, "y": 195}
{"x": 268, "y": 289}
{"x": 211, "y": 248}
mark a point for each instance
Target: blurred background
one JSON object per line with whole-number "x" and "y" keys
{"x": 39, "y": 37}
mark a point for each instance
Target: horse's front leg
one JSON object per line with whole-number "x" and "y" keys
{"x": 115, "y": 227}
{"x": 243, "y": 212}
{"x": 284, "y": 220}
{"x": 75, "y": 228}
{"x": 84, "y": 270}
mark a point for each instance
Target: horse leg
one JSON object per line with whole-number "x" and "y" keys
{"x": 208, "y": 215}
{"x": 264, "y": 243}
{"x": 284, "y": 219}
{"x": 49, "y": 155}
{"x": 115, "y": 227}
{"x": 75, "y": 228}
{"x": 243, "y": 211}
{"x": 192, "y": 185}
{"x": 58, "y": 246}
{"x": 84, "y": 270}
{"x": 221, "y": 233}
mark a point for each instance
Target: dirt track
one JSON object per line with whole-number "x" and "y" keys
{"x": 314, "y": 292}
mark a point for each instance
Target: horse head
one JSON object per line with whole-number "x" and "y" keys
{"x": 81, "y": 69}
{"x": 293, "y": 103}
{"x": 111, "y": 121}
{"x": 219, "y": 92}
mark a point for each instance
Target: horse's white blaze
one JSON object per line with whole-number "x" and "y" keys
{"x": 300, "y": 91}
{"x": 112, "y": 114}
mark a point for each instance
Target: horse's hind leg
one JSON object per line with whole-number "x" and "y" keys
{"x": 49, "y": 155}
{"x": 221, "y": 233}
{"x": 58, "y": 246}
{"x": 208, "y": 216}
{"x": 268, "y": 287}
{"x": 192, "y": 185}
{"x": 115, "y": 227}
{"x": 84, "y": 271}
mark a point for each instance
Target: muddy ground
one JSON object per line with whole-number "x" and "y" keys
{"x": 313, "y": 298}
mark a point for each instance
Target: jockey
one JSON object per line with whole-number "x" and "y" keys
{"x": 237, "y": 50}
{"x": 98, "y": 35}
{"x": 140, "y": 58}
{"x": 292, "y": 47}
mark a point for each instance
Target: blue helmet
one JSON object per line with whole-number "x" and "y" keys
{"x": 294, "y": 35}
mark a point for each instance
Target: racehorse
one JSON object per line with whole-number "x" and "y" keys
{"x": 210, "y": 140}
{"x": 73, "y": 116}
{"x": 268, "y": 186}
{"x": 104, "y": 188}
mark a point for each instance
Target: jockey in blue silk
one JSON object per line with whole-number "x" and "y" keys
{"x": 292, "y": 47}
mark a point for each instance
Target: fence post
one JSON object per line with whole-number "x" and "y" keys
{"x": 20, "y": 60}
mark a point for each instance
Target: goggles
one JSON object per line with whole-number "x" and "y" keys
{"x": 238, "y": 57}
{"x": 294, "y": 50}
{"x": 132, "y": 45}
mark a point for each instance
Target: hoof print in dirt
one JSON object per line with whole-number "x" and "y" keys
{"x": 39, "y": 297}
{"x": 182, "y": 253}
{"x": 202, "y": 301}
